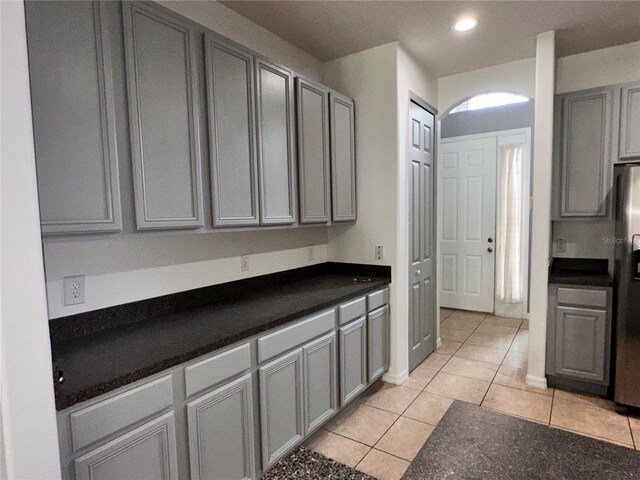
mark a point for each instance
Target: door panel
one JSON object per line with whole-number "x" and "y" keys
{"x": 422, "y": 306}
{"x": 353, "y": 360}
{"x": 320, "y": 381}
{"x": 468, "y": 202}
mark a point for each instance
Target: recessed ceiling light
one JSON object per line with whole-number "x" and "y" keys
{"x": 465, "y": 24}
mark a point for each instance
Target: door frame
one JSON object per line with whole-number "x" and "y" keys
{"x": 522, "y": 309}
{"x": 415, "y": 98}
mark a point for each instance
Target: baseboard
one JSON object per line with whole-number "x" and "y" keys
{"x": 538, "y": 382}
{"x": 398, "y": 379}
{"x": 438, "y": 343}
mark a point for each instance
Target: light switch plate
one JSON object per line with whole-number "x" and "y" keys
{"x": 74, "y": 290}
{"x": 561, "y": 245}
{"x": 244, "y": 263}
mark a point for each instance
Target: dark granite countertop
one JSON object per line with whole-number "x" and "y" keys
{"x": 580, "y": 271}
{"x": 103, "y": 360}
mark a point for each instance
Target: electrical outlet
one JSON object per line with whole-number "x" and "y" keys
{"x": 310, "y": 256}
{"x": 379, "y": 252}
{"x": 74, "y": 290}
{"x": 561, "y": 245}
{"x": 244, "y": 263}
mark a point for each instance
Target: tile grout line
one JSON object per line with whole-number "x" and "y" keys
{"x": 500, "y": 366}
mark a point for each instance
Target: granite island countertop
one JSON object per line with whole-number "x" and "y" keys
{"x": 101, "y": 361}
{"x": 580, "y": 271}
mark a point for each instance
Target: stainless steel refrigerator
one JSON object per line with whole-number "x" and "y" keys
{"x": 627, "y": 282}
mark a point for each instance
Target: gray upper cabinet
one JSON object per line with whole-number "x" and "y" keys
{"x": 221, "y": 432}
{"x": 353, "y": 360}
{"x": 275, "y": 139}
{"x": 230, "y": 99}
{"x": 583, "y": 151}
{"x": 313, "y": 152}
{"x": 343, "y": 158}
{"x": 163, "y": 117}
{"x": 320, "y": 381}
{"x": 630, "y": 122}
{"x": 148, "y": 452}
{"x": 281, "y": 406}
{"x": 73, "y": 117}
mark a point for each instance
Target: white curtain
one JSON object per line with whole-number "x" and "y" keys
{"x": 509, "y": 235}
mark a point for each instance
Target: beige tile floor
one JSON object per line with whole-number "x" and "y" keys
{"x": 482, "y": 359}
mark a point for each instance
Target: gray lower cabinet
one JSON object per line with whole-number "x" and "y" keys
{"x": 146, "y": 453}
{"x": 281, "y": 406}
{"x": 353, "y": 360}
{"x": 583, "y": 152}
{"x": 234, "y": 167}
{"x": 313, "y": 152}
{"x": 221, "y": 433}
{"x": 579, "y": 334}
{"x": 630, "y": 122}
{"x": 378, "y": 342}
{"x": 163, "y": 117}
{"x": 343, "y": 158}
{"x": 72, "y": 99}
{"x": 275, "y": 139}
{"x": 320, "y": 381}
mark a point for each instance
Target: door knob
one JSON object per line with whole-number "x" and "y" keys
{"x": 489, "y": 249}
{"x": 490, "y": 240}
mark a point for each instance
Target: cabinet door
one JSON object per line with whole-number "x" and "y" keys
{"x": 73, "y": 117}
{"x": 146, "y": 453}
{"x": 585, "y": 174}
{"x": 313, "y": 152}
{"x": 221, "y": 432}
{"x": 378, "y": 342}
{"x": 343, "y": 158}
{"x": 274, "y": 110}
{"x": 320, "y": 381}
{"x": 580, "y": 343}
{"x": 353, "y": 360}
{"x": 234, "y": 180}
{"x": 163, "y": 117}
{"x": 281, "y": 406}
{"x": 630, "y": 122}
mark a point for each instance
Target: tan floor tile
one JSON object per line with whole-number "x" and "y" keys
{"x": 420, "y": 376}
{"x": 392, "y": 398}
{"x": 593, "y": 421}
{"x": 585, "y": 399}
{"x": 521, "y": 342}
{"x": 499, "y": 342}
{"x": 634, "y": 422}
{"x": 480, "y": 354}
{"x": 338, "y": 448}
{"x": 448, "y": 333}
{"x": 516, "y": 378}
{"x": 362, "y": 423}
{"x": 502, "y": 321}
{"x": 464, "y": 324}
{"x": 459, "y": 388}
{"x": 525, "y": 325}
{"x": 428, "y": 408}
{"x": 516, "y": 359}
{"x": 382, "y": 465}
{"x": 445, "y": 312}
{"x": 449, "y": 347}
{"x": 532, "y": 406}
{"x": 436, "y": 360}
{"x": 405, "y": 438}
{"x": 497, "y": 330}
{"x": 475, "y": 317}
{"x": 470, "y": 368}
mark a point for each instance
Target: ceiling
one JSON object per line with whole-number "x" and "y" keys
{"x": 506, "y": 32}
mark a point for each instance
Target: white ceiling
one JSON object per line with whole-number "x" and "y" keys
{"x": 507, "y": 29}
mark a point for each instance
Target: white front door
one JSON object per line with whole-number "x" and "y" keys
{"x": 467, "y": 202}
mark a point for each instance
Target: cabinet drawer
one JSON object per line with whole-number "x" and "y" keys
{"x": 581, "y": 296}
{"x": 213, "y": 370}
{"x": 104, "y": 418}
{"x": 377, "y": 299}
{"x": 352, "y": 310}
{"x": 278, "y": 342}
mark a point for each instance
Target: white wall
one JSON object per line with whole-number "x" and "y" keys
{"x": 598, "y": 68}
{"x": 232, "y": 25}
{"x": 516, "y": 77}
{"x": 29, "y": 447}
